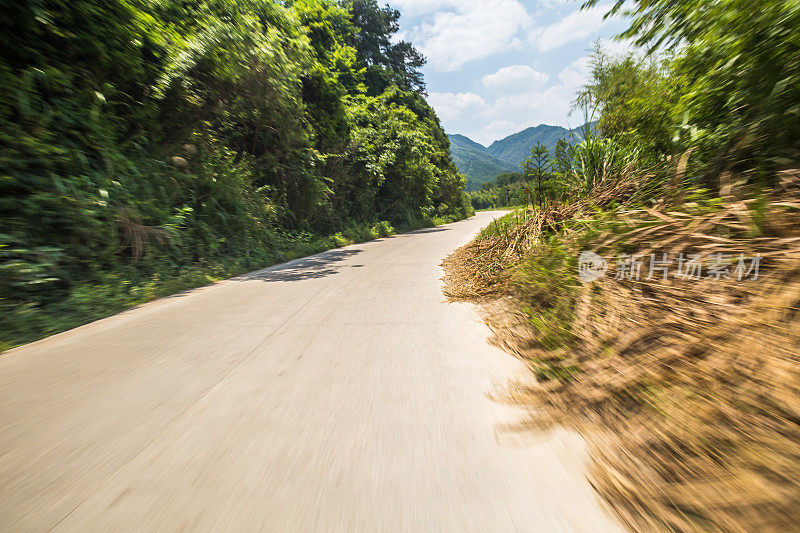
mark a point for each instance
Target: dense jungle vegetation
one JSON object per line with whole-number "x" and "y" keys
{"x": 685, "y": 385}
{"x": 152, "y": 145}
{"x": 507, "y": 189}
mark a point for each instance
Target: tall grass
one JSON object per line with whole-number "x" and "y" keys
{"x": 598, "y": 160}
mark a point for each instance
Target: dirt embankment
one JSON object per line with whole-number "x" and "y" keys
{"x": 687, "y": 388}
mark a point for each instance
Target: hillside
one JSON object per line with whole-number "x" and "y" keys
{"x": 152, "y": 146}
{"x": 480, "y": 164}
{"x": 516, "y": 147}
{"x": 475, "y": 163}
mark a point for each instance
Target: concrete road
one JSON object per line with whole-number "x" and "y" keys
{"x": 333, "y": 393}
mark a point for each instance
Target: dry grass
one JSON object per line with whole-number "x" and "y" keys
{"x": 688, "y": 391}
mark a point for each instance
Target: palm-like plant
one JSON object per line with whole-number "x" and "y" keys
{"x": 598, "y": 160}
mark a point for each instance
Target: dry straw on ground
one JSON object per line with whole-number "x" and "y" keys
{"x": 688, "y": 391}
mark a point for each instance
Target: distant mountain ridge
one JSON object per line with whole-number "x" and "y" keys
{"x": 517, "y": 146}
{"x": 480, "y": 164}
{"x": 466, "y": 141}
{"x": 474, "y": 162}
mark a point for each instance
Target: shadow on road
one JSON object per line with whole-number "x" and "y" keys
{"x": 424, "y": 230}
{"x": 317, "y": 266}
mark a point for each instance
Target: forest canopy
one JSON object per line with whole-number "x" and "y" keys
{"x": 139, "y": 138}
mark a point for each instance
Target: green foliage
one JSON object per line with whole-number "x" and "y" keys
{"x": 535, "y": 166}
{"x": 493, "y": 195}
{"x": 143, "y": 140}
{"x": 597, "y": 160}
{"x": 506, "y": 178}
{"x": 563, "y": 158}
{"x": 516, "y": 147}
{"x": 549, "y": 285}
{"x": 480, "y": 164}
{"x": 386, "y": 63}
{"x": 540, "y": 179}
{"x": 636, "y": 100}
{"x": 736, "y": 78}
{"x": 475, "y": 163}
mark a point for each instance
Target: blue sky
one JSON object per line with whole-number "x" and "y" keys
{"x": 496, "y": 67}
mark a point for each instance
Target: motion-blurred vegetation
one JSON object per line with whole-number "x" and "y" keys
{"x": 151, "y": 145}
{"x": 686, "y": 389}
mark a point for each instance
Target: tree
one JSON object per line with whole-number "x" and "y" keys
{"x": 139, "y": 138}
{"x": 386, "y": 62}
{"x": 636, "y": 100}
{"x": 563, "y": 157}
{"x": 536, "y": 165}
{"x": 737, "y": 74}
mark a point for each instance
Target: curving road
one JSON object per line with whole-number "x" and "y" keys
{"x": 332, "y": 393}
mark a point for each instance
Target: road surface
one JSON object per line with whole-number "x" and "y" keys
{"x": 333, "y": 393}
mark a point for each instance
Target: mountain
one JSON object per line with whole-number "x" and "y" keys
{"x": 475, "y": 163}
{"x": 480, "y": 164}
{"x": 517, "y": 146}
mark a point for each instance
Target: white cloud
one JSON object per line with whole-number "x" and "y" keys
{"x": 511, "y": 111}
{"x": 467, "y": 30}
{"x": 514, "y": 79}
{"x": 418, "y": 7}
{"x": 497, "y": 129}
{"x": 452, "y": 33}
{"x": 577, "y": 73}
{"x": 549, "y": 105}
{"x": 619, "y": 48}
{"x": 578, "y": 25}
{"x": 453, "y": 106}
